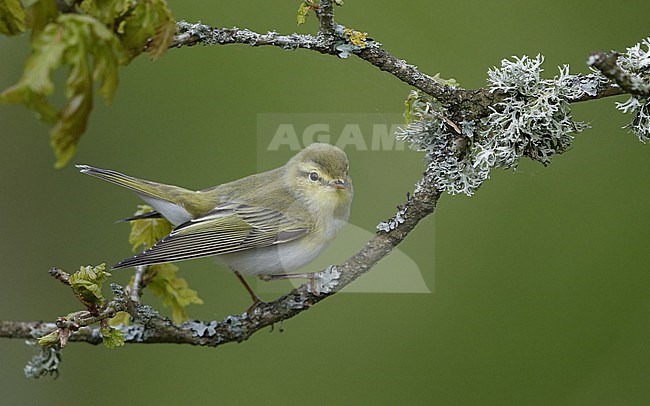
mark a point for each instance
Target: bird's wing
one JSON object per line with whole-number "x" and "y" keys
{"x": 230, "y": 227}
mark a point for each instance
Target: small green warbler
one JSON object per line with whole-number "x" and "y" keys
{"x": 270, "y": 223}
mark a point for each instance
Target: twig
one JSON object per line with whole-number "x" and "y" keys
{"x": 325, "y": 14}
{"x": 150, "y": 327}
{"x": 139, "y": 283}
{"x": 607, "y": 64}
{"x": 460, "y": 103}
{"x": 60, "y": 275}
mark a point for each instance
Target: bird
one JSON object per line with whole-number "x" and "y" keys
{"x": 267, "y": 224}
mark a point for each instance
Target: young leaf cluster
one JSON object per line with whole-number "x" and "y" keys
{"x": 12, "y": 17}
{"x": 174, "y": 291}
{"x": 112, "y": 337}
{"x": 87, "y": 284}
{"x": 303, "y": 11}
{"x": 147, "y": 231}
{"x": 308, "y": 5}
{"x": 91, "y": 38}
{"x": 162, "y": 279}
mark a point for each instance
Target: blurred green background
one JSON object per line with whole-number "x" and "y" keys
{"x": 539, "y": 282}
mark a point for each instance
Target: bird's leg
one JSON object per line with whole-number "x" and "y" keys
{"x": 279, "y": 276}
{"x": 307, "y": 275}
{"x": 255, "y": 298}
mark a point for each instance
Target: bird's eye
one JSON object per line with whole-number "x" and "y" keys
{"x": 313, "y": 176}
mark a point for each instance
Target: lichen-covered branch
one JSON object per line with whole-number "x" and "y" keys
{"x": 464, "y": 134}
{"x": 608, "y": 65}
{"x": 139, "y": 283}
{"x": 325, "y": 13}
{"x": 371, "y": 51}
{"x": 479, "y": 101}
{"x": 150, "y": 327}
{"x": 194, "y": 34}
{"x": 631, "y": 73}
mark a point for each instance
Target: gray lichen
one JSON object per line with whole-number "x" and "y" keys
{"x": 349, "y": 41}
{"x": 429, "y": 131}
{"x": 236, "y": 325}
{"x": 297, "y": 301}
{"x": 392, "y": 223}
{"x": 201, "y": 329}
{"x": 533, "y": 120}
{"x": 46, "y": 361}
{"x": 132, "y": 332}
{"x": 325, "y": 281}
{"x": 636, "y": 62}
{"x": 640, "y": 124}
{"x": 199, "y": 30}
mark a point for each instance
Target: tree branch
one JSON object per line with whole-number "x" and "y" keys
{"x": 139, "y": 283}
{"x": 150, "y": 327}
{"x": 198, "y": 33}
{"x": 332, "y": 39}
{"x": 470, "y": 104}
{"x": 607, "y": 64}
{"x": 325, "y": 14}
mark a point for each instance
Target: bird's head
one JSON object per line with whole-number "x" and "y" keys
{"x": 320, "y": 175}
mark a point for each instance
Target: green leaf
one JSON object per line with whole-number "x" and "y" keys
{"x": 112, "y": 337}
{"x": 72, "y": 40}
{"x": 85, "y": 36}
{"x": 120, "y": 318}
{"x": 49, "y": 339}
{"x": 93, "y": 39}
{"x": 39, "y": 14}
{"x": 408, "y": 106}
{"x": 12, "y": 17}
{"x": 87, "y": 284}
{"x": 35, "y": 84}
{"x": 445, "y": 82}
{"x": 149, "y": 23}
{"x": 107, "y": 55}
{"x": 73, "y": 118}
{"x": 106, "y": 11}
{"x": 173, "y": 291}
{"x": 162, "y": 39}
{"x": 147, "y": 232}
{"x": 303, "y": 11}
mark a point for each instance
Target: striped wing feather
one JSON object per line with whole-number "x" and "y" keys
{"x": 225, "y": 229}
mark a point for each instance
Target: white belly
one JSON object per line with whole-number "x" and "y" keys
{"x": 276, "y": 259}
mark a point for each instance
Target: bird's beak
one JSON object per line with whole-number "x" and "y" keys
{"x": 339, "y": 184}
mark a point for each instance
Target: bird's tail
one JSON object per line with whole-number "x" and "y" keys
{"x": 143, "y": 187}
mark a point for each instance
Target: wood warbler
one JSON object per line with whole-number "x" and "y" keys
{"x": 270, "y": 223}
